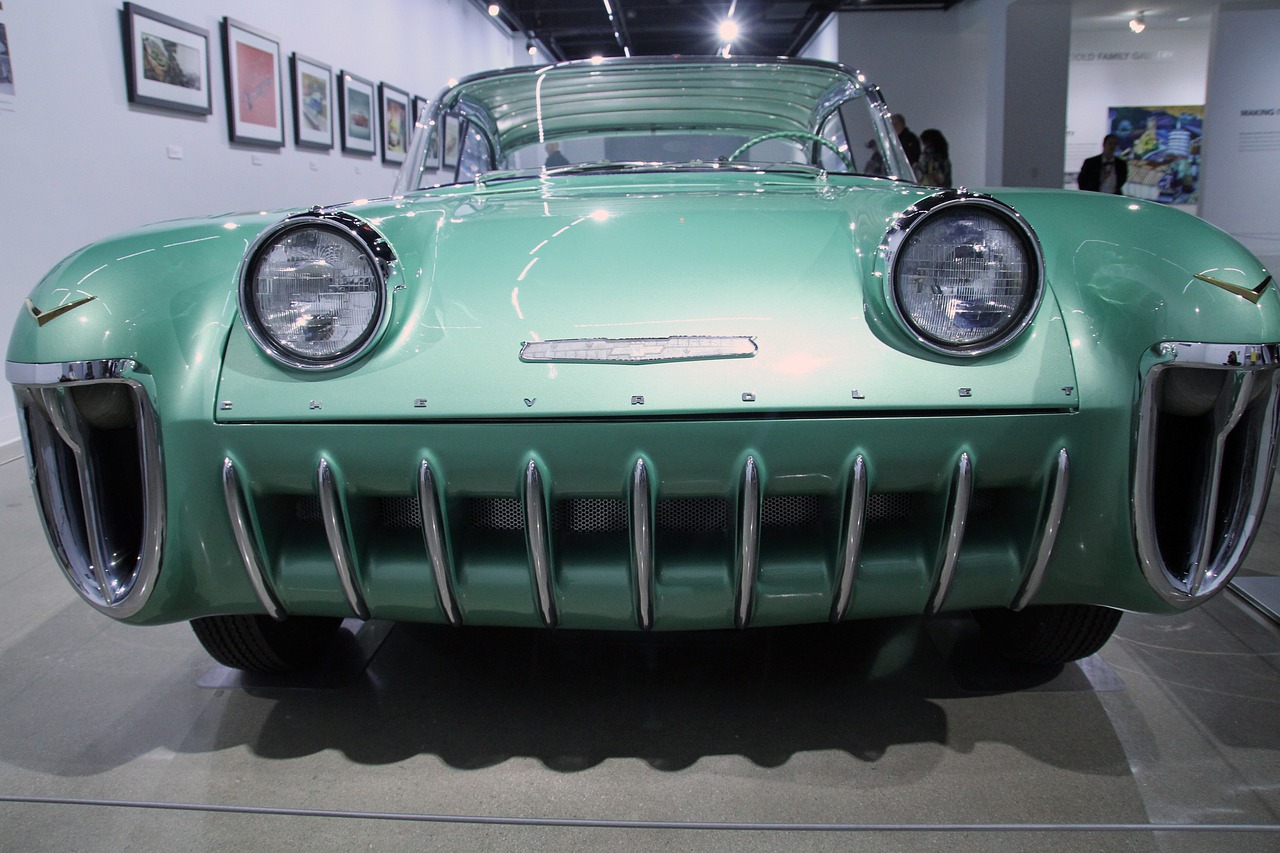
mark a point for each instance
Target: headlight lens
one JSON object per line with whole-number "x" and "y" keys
{"x": 966, "y": 277}
{"x": 313, "y": 295}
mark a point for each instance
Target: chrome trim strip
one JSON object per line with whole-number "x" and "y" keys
{"x": 92, "y": 562}
{"x": 1227, "y": 411}
{"x": 537, "y": 530}
{"x": 433, "y": 538}
{"x": 958, "y": 516}
{"x": 855, "y": 523}
{"x": 1212, "y": 563}
{"x": 335, "y": 531}
{"x": 638, "y": 350}
{"x": 642, "y": 543}
{"x": 1055, "y": 504}
{"x": 246, "y": 540}
{"x": 66, "y": 422}
{"x": 748, "y": 567}
{"x": 57, "y": 373}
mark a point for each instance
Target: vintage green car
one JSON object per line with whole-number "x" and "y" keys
{"x": 654, "y": 345}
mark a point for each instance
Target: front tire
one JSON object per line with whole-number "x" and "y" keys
{"x": 257, "y": 643}
{"x": 1048, "y": 634}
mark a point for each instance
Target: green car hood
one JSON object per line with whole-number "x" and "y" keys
{"x": 780, "y": 260}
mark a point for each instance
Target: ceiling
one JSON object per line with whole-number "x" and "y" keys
{"x": 580, "y": 29}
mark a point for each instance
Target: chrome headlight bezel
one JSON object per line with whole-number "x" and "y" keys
{"x": 363, "y": 237}
{"x": 926, "y": 211}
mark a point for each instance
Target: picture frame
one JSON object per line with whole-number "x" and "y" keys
{"x": 451, "y": 141}
{"x": 422, "y": 113}
{"x": 311, "y": 83}
{"x": 357, "y": 112}
{"x": 397, "y": 123}
{"x": 255, "y": 102}
{"x": 166, "y": 61}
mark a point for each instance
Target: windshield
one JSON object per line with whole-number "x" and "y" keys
{"x": 638, "y": 114}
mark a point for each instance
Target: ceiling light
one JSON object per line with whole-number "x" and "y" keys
{"x": 531, "y": 47}
{"x": 494, "y": 9}
{"x": 1138, "y": 22}
{"x": 728, "y": 30}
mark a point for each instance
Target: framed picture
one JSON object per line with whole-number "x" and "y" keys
{"x": 452, "y": 136}
{"x": 6, "y": 66}
{"x": 396, "y": 122}
{"x": 422, "y": 113}
{"x": 166, "y": 61}
{"x": 312, "y": 85}
{"x": 356, "y": 110}
{"x": 255, "y": 105}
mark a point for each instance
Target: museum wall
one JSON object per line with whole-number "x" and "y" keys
{"x": 79, "y": 162}
{"x": 1116, "y": 68}
{"x": 932, "y": 68}
{"x": 1242, "y": 115}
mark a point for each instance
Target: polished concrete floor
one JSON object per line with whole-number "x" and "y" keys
{"x": 881, "y": 736}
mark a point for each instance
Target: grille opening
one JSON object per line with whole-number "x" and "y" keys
{"x": 590, "y": 515}
{"x": 1236, "y": 484}
{"x": 888, "y": 507}
{"x": 1184, "y": 436}
{"x": 708, "y": 515}
{"x": 503, "y": 514}
{"x": 104, "y": 416}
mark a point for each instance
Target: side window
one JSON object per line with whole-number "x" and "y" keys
{"x": 476, "y": 156}
{"x": 834, "y": 131}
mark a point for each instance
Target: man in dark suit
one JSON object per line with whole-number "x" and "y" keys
{"x": 1105, "y": 173}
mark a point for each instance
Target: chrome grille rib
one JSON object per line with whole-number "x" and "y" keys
{"x": 465, "y": 537}
{"x": 93, "y": 447}
{"x": 1205, "y": 457}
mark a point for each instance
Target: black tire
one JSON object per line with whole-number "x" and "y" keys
{"x": 261, "y": 644}
{"x": 1050, "y": 634}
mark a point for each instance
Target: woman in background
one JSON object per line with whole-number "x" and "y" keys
{"x": 934, "y": 167}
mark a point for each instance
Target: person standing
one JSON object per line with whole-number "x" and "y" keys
{"x": 1104, "y": 173}
{"x": 910, "y": 142}
{"x": 934, "y": 168}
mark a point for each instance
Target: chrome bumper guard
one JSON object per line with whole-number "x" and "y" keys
{"x": 93, "y": 450}
{"x": 532, "y": 517}
{"x": 1204, "y": 460}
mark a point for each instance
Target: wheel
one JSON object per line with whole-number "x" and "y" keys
{"x": 1049, "y": 634}
{"x": 261, "y": 644}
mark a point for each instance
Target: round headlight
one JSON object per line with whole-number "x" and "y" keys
{"x": 965, "y": 274}
{"x": 314, "y": 293}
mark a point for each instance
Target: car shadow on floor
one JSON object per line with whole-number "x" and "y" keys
{"x": 478, "y": 697}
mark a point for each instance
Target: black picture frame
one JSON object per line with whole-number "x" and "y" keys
{"x": 357, "y": 111}
{"x": 396, "y": 125}
{"x": 166, "y": 61}
{"x": 251, "y": 61}
{"x": 311, "y": 83}
{"x": 450, "y": 142}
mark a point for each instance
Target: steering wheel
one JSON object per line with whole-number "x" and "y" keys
{"x": 795, "y": 134}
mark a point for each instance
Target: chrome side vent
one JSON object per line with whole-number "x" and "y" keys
{"x": 93, "y": 446}
{"x": 1205, "y": 457}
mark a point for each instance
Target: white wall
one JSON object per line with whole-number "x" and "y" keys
{"x": 932, "y": 68}
{"x": 1241, "y": 174}
{"x": 825, "y": 43}
{"x": 78, "y": 162}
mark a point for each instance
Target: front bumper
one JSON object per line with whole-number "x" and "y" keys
{"x": 661, "y": 523}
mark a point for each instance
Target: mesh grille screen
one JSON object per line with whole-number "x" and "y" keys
{"x": 889, "y": 506}
{"x": 590, "y": 515}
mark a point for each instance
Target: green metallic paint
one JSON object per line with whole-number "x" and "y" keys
{"x": 483, "y": 273}
{"x": 785, "y": 261}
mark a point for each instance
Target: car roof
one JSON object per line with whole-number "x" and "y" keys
{"x": 522, "y": 106}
